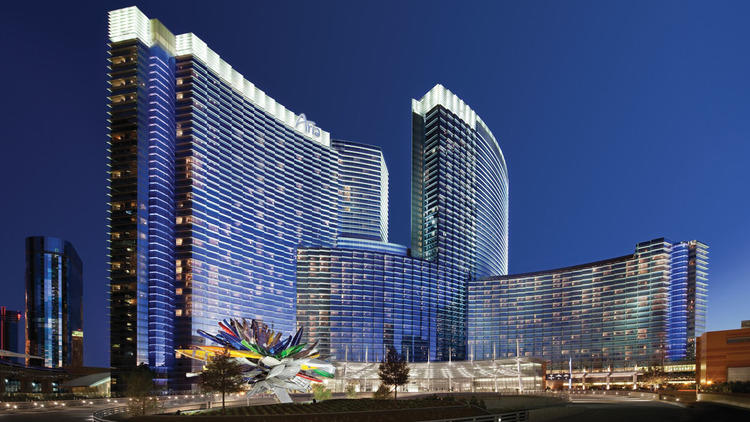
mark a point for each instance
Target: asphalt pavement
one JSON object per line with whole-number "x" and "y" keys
{"x": 626, "y": 410}
{"x": 57, "y": 415}
{"x": 653, "y": 411}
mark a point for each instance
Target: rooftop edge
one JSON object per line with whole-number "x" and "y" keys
{"x": 130, "y": 23}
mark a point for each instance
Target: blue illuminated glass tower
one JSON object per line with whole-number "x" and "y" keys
{"x": 459, "y": 203}
{"x": 254, "y": 183}
{"x": 225, "y": 204}
{"x": 459, "y": 188}
{"x": 54, "y": 299}
{"x": 364, "y": 297}
{"x": 358, "y": 303}
{"x": 213, "y": 187}
{"x": 141, "y": 191}
{"x": 640, "y": 309}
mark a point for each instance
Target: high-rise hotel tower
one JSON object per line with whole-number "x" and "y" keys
{"x": 459, "y": 208}
{"x": 361, "y": 300}
{"x": 213, "y": 187}
{"x": 223, "y": 203}
{"x": 643, "y": 309}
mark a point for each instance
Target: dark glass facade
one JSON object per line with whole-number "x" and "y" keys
{"x": 54, "y": 299}
{"x": 371, "y": 245}
{"x": 459, "y": 188}
{"x": 363, "y": 299}
{"x": 622, "y": 312}
{"x": 250, "y": 190}
{"x": 9, "y": 323}
{"x": 213, "y": 187}
{"x": 141, "y": 202}
{"x": 358, "y": 303}
{"x": 224, "y": 204}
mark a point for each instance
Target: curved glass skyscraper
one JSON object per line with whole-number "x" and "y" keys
{"x": 224, "y": 203}
{"x": 54, "y": 301}
{"x": 640, "y": 309}
{"x": 213, "y": 187}
{"x": 459, "y": 188}
{"x": 361, "y": 299}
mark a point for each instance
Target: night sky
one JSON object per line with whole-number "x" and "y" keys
{"x": 620, "y": 121}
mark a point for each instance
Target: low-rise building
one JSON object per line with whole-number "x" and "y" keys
{"x": 680, "y": 375}
{"x": 723, "y": 356}
{"x": 457, "y": 376}
{"x": 92, "y": 385}
{"x": 17, "y": 380}
{"x": 20, "y": 382}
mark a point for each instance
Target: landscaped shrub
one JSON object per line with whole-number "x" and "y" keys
{"x": 383, "y": 393}
{"x": 320, "y": 392}
{"x": 729, "y": 387}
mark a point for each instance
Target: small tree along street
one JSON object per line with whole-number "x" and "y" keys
{"x": 223, "y": 374}
{"x": 140, "y": 388}
{"x": 393, "y": 370}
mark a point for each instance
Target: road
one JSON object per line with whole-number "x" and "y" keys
{"x": 67, "y": 415}
{"x": 83, "y": 413}
{"x": 651, "y": 411}
{"x": 596, "y": 410}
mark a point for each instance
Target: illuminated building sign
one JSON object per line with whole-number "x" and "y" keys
{"x": 308, "y": 126}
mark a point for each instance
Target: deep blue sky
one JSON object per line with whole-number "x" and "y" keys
{"x": 620, "y": 121}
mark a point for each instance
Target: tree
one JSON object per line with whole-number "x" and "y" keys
{"x": 139, "y": 388}
{"x": 393, "y": 370}
{"x": 654, "y": 377}
{"x": 223, "y": 374}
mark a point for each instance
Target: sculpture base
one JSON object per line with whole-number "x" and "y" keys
{"x": 282, "y": 395}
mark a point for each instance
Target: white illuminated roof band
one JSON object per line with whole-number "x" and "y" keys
{"x": 130, "y": 23}
{"x": 440, "y": 95}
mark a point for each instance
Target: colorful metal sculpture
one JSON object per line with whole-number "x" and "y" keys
{"x": 269, "y": 363}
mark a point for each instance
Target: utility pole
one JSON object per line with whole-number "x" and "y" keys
{"x": 346, "y": 364}
{"x": 494, "y": 366}
{"x": 450, "y": 374}
{"x": 518, "y": 365}
{"x": 570, "y": 373}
